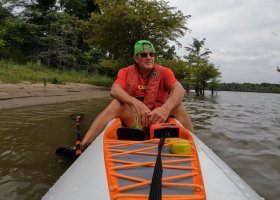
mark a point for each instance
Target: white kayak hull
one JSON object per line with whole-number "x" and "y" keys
{"x": 86, "y": 177}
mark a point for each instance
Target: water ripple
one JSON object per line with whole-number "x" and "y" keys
{"x": 243, "y": 129}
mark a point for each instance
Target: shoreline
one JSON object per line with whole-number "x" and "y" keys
{"x": 26, "y": 94}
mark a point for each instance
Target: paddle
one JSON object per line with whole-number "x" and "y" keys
{"x": 70, "y": 152}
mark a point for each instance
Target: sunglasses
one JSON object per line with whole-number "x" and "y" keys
{"x": 144, "y": 55}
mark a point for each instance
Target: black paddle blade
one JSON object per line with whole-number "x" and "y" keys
{"x": 66, "y": 152}
{"x": 131, "y": 134}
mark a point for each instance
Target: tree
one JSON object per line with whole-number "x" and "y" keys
{"x": 47, "y": 31}
{"x": 169, "y": 53}
{"x": 51, "y": 36}
{"x": 250, "y": 87}
{"x": 122, "y": 23}
{"x": 181, "y": 70}
{"x": 4, "y": 14}
{"x": 202, "y": 70}
{"x": 11, "y": 29}
{"x": 213, "y": 77}
{"x": 36, "y": 17}
{"x": 60, "y": 41}
{"x": 196, "y": 56}
{"x": 79, "y": 8}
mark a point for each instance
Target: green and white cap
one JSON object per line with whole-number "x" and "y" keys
{"x": 142, "y": 45}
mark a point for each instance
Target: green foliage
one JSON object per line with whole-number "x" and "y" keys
{"x": 62, "y": 35}
{"x": 122, "y": 23}
{"x": 50, "y": 33}
{"x": 168, "y": 54}
{"x": 37, "y": 73}
{"x": 54, "y": 40}
{"x": 250, "y": 87}
{"x": 55, "y": 81}
{"x": 79, "y": 8}
{"x": 202, "y": 71}
{"x": 213, "y": 85}
{"x": 10, "y": 35}
{"x": 196, "y": 56}
{"x": 109, "y": 67}
{"x": 180, "y": 69}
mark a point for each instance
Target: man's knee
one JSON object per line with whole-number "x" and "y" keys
{"x": 113, "y": 109}
{"x": 114, "y": 104}
{"x": 128, "y": 116}
{"x": 124, "y": 111}
{"x": 179, "y": 110}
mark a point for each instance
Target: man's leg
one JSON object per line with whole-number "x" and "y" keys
{"x": 113, "y": 110}
{"x": 181, "y": 114}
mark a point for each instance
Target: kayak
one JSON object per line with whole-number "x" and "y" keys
{"x": 167, "y": 163}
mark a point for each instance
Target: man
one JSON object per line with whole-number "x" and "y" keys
{"x": 144, "y": 93}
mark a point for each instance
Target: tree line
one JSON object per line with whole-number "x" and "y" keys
{"x": 250, "y": 87}
{"x": 97, "y": 36}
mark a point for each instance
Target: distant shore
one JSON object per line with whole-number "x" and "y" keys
{"x": 26, "y": 94}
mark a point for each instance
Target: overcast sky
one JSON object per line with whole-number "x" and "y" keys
{"x": 243, "y": 35}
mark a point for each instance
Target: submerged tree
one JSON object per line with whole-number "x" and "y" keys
{"x": 202, "y": 71}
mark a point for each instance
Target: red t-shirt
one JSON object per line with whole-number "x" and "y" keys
{"x": 167, "y": 80}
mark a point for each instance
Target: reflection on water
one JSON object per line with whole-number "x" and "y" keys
{"x": 242, "y": 128}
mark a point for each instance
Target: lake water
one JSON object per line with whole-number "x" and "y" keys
{"x": 242, "y": 128}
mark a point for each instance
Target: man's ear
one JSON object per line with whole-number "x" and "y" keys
{"x": 135, "y": 58}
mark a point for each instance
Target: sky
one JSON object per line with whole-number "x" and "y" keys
{"x": 243, "y": 35}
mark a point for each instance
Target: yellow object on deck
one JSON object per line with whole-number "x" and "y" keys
{"x": 180, "y": 146}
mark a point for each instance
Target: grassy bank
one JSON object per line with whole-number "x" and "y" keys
{"x": 37, "y": 73}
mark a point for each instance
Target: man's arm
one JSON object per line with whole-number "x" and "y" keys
{"x": 161, "y": 114}
{"x": 140, "y": 109}
{"x": 176, "y": 95}
{"x": 173, "y": 106}
{"x": 117, "y": 92}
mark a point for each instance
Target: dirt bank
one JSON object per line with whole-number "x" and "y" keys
{"x": 25, "y": 94}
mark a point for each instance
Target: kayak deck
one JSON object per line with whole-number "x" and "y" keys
{"x": 87, "y": 177}
{"x": 130, "y": 166}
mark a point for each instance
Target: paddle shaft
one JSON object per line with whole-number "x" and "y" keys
{"x": 78, "y": 151}
{"x": 73, "y": 152}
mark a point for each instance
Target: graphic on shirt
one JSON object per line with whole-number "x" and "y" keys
{"x": 142, "y": 87}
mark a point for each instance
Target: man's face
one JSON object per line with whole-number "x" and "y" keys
{"x": 145, "y": 59}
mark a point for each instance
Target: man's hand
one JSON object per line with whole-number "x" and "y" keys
{"x": 159, "y": 115}
{"x": 142, "y": 111}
